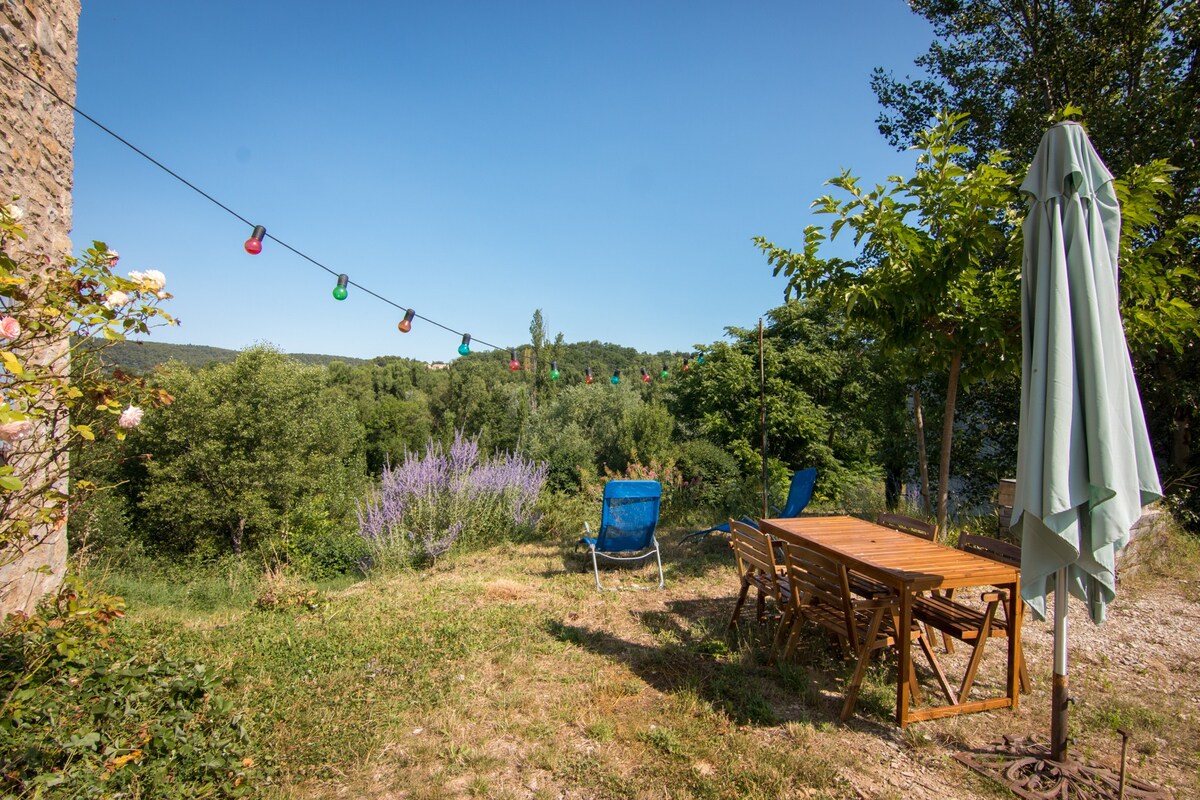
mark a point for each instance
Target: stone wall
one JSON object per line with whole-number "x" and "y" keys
{"x": 41, "y": 38}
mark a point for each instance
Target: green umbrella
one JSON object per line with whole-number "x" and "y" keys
{"x": 1084, "y": 466}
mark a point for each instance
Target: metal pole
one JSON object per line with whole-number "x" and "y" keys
{"x": 1059, "y": 699}
{"x": 762, "y": 390}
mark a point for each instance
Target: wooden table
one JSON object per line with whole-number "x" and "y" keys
{"x": 911, "y": 565}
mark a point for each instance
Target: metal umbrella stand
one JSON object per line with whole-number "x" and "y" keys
{"x": 1084, "y": 465}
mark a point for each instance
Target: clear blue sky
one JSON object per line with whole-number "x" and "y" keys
{"x": 606, "y": 162}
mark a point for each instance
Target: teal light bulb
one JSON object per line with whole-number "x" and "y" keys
{"x": 464, "y": 349}
{"x": 700, "y": 358}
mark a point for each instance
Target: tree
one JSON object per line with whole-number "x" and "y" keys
{"x": 1132, "y": 67}
{"x": 247, "y": 449}
{"x": 936, "y": 279}
{"x": 831, "y": 403}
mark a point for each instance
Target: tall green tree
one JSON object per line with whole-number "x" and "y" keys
{"x": 1132, "y": 67}
{"x": 245, "y": 451}
{"x": 936, "y": 278}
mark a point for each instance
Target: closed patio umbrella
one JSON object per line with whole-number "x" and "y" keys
{"x": 1084, "y": 465}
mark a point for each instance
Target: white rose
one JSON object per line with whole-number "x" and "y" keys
{"x": 116, "y": 300}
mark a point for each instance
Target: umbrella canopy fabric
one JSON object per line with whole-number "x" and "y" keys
{"x": 1084, "y": 464}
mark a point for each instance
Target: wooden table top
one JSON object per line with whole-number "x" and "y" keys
{"x": 905, "y": 562}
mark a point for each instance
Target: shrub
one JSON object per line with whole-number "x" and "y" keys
{"x": 711, "y": 480}
{"x": 86, "y": 713}
{"x": 429, "y": 504}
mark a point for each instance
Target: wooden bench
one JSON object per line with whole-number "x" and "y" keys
{"x": 910, "y": 525}
{"x": 967, "y": 623}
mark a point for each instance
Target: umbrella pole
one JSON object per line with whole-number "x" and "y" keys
{"x": 1059, "y": 699}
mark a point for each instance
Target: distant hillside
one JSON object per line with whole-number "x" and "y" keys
{"x": 142, "y": 357}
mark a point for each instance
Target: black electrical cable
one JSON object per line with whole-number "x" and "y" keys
{"x": 218, "y": 203}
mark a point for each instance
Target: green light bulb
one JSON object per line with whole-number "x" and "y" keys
{"x": 554, "y": 373}
{"x": 339, "y": 291}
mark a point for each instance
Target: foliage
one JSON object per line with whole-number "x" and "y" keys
{"x": 431, "y": 503}
{"x": 832, "y": 400}
{"x": 87, "y": 714}
{"x": 1131, "y": 69}
{"x": 712, "y": 486}
{"x": 250, "y": 451}
{"x": 52, "y": 315}
{"x": 936, "y": 278}
{"x": 587, "y": 429}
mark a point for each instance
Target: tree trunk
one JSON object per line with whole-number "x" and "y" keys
{"x": 943, "y": 511}
{"x": 238, "y": 533}
{"x": 922, "y": 458}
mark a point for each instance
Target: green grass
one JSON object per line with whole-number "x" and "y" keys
{"x": 504, "y": 673}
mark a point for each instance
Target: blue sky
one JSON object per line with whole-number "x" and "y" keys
{"x": 605, "y": 162}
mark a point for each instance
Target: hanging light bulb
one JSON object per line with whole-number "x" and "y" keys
{"x": 465, "y": 347}
{"x": 254, "y": 243}
{"x": 686, "y": 365}
{"x": 645, "y": 376}
{"x": 405, "y": 325}
{"x": 513, "y": 363}
{"x": 664, "y": 374}
{"x": 339, "y": 291}
{"x": 554, "y": 373}
{"x": 587, "y": 376}
{"x": 700, "y": 358}
{"x": 616, "y": 378}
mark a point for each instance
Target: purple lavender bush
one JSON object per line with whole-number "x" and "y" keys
{"x": 431, "y": 503}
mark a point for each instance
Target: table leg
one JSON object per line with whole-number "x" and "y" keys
{"x": 905, "y": 659}
{"x": 1015, "y": 611}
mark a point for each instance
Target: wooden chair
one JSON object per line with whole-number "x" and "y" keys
{"x": 756, "y": 564}
{"x": 909, "y": 525}
{"x": 968, "y": 624}
{"x": 821, "y": 594}
{"x": 1006, "y": 496}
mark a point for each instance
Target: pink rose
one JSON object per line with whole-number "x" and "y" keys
{"x": 9, "y": 328}
{"x": 130, "y": 417}
{"x": 15, "y": 431}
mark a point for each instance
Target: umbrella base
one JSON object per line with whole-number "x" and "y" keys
{"x": 1026, "y": 769}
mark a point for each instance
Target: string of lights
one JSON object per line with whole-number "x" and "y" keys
{"x": 254, "y": 244}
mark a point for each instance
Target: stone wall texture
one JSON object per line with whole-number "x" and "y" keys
{"x": 40, "y": 37}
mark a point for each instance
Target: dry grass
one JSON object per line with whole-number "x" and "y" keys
{"x": 506, "y": 674}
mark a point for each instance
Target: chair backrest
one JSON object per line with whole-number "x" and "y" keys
{"x": 752, "y": 549}
{"x": 909, "y": 525}
{"x": 818, "y": 579}
{"x": 629, "y": 516}
{"x": 800, "y": 493}
{"x": 995, "y": 549}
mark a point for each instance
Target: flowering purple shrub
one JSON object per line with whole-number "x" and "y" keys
{"x": 430, "y": 503}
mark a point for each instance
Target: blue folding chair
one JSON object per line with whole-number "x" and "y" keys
{"x": 798, "y": 498}
{"x": 627, "y": 522}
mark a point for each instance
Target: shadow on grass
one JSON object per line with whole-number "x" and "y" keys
{"x": 694, "y": 652}
{"x": 680, "y": 562}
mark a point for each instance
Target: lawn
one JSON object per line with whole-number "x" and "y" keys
{"x": 504, "y": 673}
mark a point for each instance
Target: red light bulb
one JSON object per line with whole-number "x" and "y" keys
{"x": 588, "y": 376}
{"x": 513, "y": 364}
{"x": 645, "y": 376}
{"x": 254, "y": 243}
{"x": 405, "y": 325}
